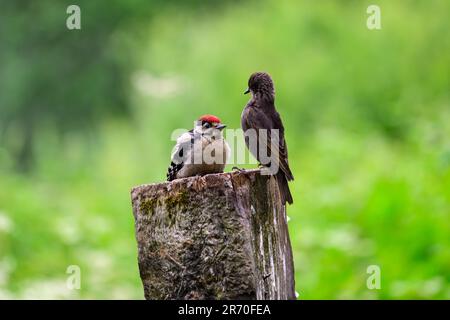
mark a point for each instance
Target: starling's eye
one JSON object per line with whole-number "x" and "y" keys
{"x": 207, "y": 125}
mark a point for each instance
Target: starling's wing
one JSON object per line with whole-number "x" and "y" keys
{"x": 282, "y": 147}
{"x": 179, "y": 154}
{"x": 257, "y": 119}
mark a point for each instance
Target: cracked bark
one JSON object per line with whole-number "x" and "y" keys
{"x": 221, "y": 236}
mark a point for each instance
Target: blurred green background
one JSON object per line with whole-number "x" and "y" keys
{"x": 87, "y": 114}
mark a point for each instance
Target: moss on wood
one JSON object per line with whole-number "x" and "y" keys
{"x": 213, "y": 237}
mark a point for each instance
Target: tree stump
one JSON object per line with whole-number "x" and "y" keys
{"x": 220, "y": 236}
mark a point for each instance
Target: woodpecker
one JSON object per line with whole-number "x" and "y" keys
{"x": 200, "y": 151}
{"x": 260, "y": 113}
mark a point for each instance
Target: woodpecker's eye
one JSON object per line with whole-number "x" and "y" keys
{"x": 207, "y": 125}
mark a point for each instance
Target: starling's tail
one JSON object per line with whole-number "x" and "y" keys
{"x": 283, "y": 185}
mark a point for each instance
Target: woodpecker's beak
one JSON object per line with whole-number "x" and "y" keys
{"x": 247, "y": 91}
{"x": 221, "y": 126}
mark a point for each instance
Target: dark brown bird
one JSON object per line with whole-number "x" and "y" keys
{"x": 260, "y": 113}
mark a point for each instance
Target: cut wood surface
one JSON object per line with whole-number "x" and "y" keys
{"x": 220, "y": 236}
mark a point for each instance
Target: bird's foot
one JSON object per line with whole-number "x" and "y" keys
{"x": 238, "y": 169}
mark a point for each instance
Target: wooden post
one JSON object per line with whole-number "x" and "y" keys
{"x": 220, "y": 236}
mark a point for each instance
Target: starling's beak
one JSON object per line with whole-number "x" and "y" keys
{"x": 220, "y": 126}
{"x": 247, "y": 91}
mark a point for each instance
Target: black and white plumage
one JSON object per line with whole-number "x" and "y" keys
{"x": 260, "y": 113}
{"x": 184, "y": 143}
{"x": 199, "y": 151}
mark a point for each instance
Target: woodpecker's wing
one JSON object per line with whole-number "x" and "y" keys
{"x": 282, "y": 146}
{"x": 183, "y": 144}
{"x": 257, "y": 119}
{"x": 179, "y": 154}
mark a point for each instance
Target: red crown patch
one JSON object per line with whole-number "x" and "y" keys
{"x": 209, "y": 118}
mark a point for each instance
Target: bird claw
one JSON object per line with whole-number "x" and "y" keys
{"x": 238, "y": 169}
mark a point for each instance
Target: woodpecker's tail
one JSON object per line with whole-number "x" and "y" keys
{"x": 283, "y": 185}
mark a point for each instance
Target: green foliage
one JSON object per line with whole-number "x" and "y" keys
{"x": 70, "y": 79}
{"x": 367, "y": 116}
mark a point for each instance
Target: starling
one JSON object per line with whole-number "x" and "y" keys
{"x": 258, "y": 114}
